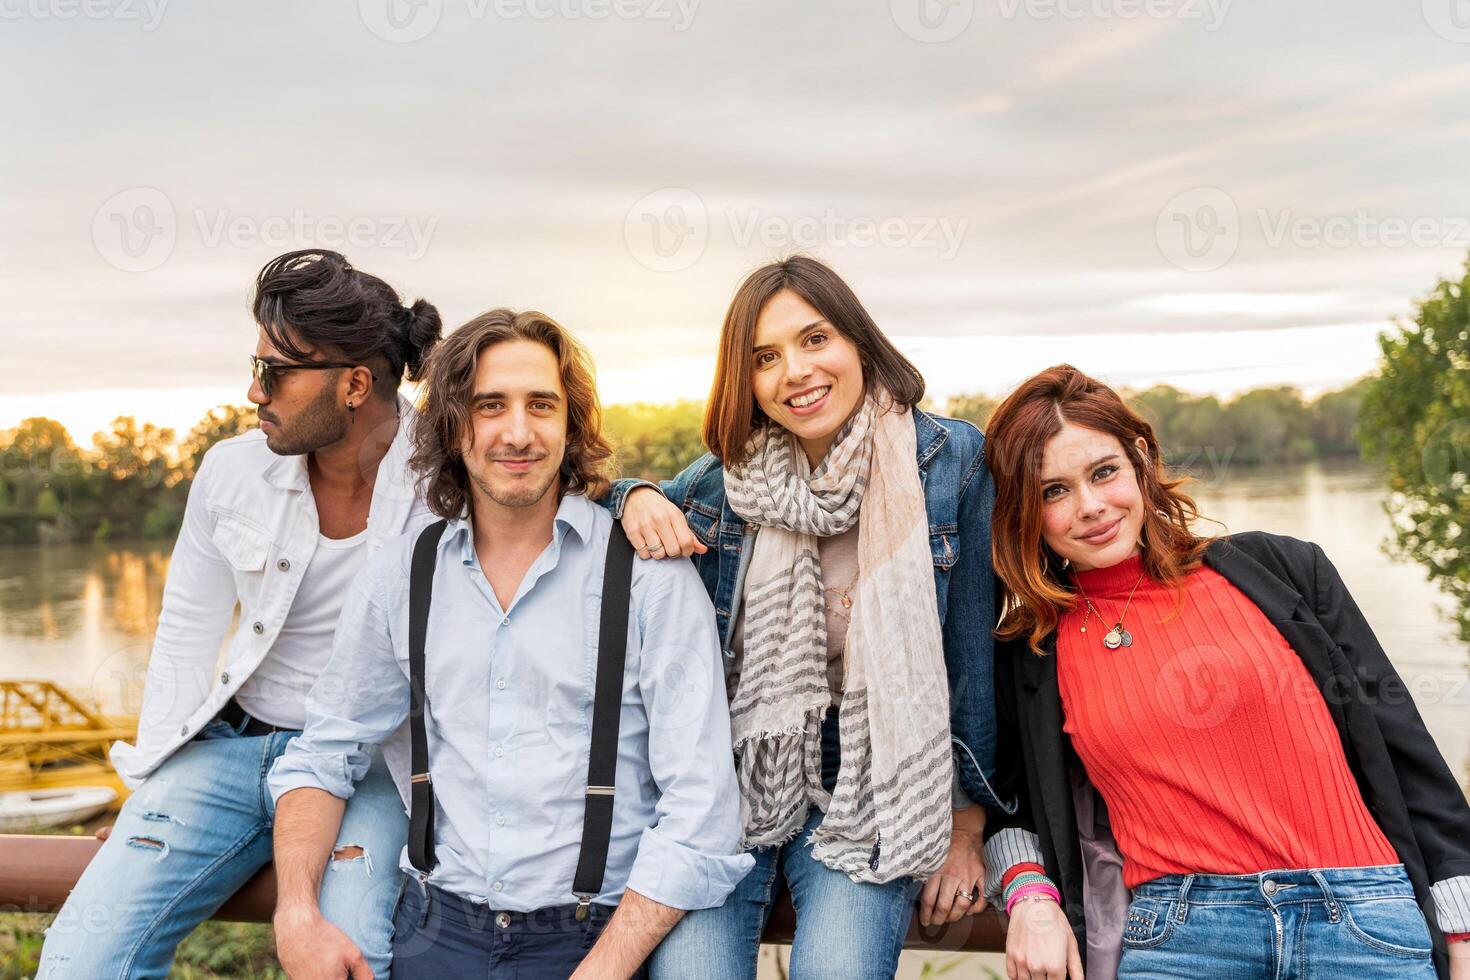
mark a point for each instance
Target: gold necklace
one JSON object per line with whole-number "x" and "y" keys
{"x": 1118, "y": 636}
{"x": 844, "y": 595}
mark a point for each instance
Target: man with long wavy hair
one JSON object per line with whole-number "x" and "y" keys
{"x": 510, "y": 449}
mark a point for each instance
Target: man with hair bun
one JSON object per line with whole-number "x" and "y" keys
{"x": 279, "y": 522}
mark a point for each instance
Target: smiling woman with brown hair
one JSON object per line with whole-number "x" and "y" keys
{"x": 843, "y": 535}
{"x": 1245, "y": 760}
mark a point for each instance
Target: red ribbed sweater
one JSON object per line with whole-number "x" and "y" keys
{"x": 1207, "y": 738}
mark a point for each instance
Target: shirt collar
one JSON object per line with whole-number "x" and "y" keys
{"x": 574, "y": 514}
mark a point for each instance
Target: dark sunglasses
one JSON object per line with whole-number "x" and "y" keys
{"x": 265, "y": 372}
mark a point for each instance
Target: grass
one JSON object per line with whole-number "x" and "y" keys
{"x": 215, "y": 949}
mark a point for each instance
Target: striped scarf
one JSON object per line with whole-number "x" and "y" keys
{"x": 889, "y": 813}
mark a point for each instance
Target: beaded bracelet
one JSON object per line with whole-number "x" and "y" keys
{"x": 1016, "y": 870}
{"x": 1022, "y": 880}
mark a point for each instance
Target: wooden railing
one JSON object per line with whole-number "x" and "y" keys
{"x": 37, "y": 872}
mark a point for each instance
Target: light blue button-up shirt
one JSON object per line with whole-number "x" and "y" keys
{"x": 510, "y": 714}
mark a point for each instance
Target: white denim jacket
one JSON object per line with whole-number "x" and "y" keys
{"x": 249, "y": 532}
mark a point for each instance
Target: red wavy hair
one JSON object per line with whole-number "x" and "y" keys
{"x": 1037, "y": 588}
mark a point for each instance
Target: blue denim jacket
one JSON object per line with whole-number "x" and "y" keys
{"x": 958, "y": 495}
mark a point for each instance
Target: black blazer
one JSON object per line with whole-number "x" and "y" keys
{"x": 1403, "y": 777}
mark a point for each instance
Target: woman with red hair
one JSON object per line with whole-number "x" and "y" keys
{"x": 1220, "y": 773}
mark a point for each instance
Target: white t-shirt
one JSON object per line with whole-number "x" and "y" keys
{"x": 276, "y": 692}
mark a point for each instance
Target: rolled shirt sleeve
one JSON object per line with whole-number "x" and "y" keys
{"x": 360, "y": 698}
{"x": 1452, "y": 904}
{"x": 690, "y": 858}
{"x": 1004, "y": 850}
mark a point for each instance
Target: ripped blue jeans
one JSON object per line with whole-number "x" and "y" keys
{"x": 193, "y": 833}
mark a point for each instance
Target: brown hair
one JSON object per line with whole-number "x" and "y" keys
{"x": 1037, "y": 589}
{"x": 732, "y": 413}
{"x": 444, "y": 415}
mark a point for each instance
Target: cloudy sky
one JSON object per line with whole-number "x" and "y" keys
{"x": 1213, "y": 193}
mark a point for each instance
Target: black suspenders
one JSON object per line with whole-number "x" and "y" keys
{"x": 602, "y": 760}
{"x": 421, "y": 788}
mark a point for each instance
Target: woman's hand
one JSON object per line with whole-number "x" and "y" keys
{"x": 963, "y": 872}
{"x": 1460, "y": 960}
{"x": 1040, "y": 944}
{"x": 656, "y": 528}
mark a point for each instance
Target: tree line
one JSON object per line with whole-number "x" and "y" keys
{"x": 133, "y": 480}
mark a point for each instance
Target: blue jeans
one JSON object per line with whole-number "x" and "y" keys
{"x": 193, "y": 833}
{"x": 438, "y": 935}
{"x": 845, "y": 930}
{"x": 1334, "y": 922}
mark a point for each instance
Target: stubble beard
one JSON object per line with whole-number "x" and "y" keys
{"x": 517, "y": 495}
{"x": 319, "y": 424}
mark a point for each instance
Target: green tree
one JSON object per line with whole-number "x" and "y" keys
{"x": 655, "y": 442}
{"x": 972, "y": 408}
{"x": 219, "y": 423}
{"x": 136, "y": 465}
{"x": 1415, "y": 418}
{"x": 47, "y": 505}
{"x": 1269, "y": 425}
{"x": 1335, "y": 419}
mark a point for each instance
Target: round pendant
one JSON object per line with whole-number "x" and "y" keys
{"x": 1113, "y": 640}
{"x": 846, "y": 603}
{"x": 1127, "y": 638}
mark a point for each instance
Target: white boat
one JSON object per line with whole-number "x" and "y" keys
{"x": 22, "y": 812}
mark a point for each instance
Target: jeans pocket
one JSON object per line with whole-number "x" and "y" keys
{"x": 1149, "y": 924}
{"x": 1388, "y": 925}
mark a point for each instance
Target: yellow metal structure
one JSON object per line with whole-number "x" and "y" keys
{"x": 50, "y": 738}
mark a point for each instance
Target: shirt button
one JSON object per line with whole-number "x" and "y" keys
{"x": 499, "y": 753}
{"x": 259, "y": 628}
{"x": 283, "y": 565}
{"x": 500, "y": 684}
{"x": 497, "y": 886}
{"x": 505, "y": 621}
{"x": 500, "y": 820}
{"x": 184, "y": 730}
{"x": 225, "y": 677}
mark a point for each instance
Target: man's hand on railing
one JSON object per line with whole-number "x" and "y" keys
{"x": 311, "y": 948}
